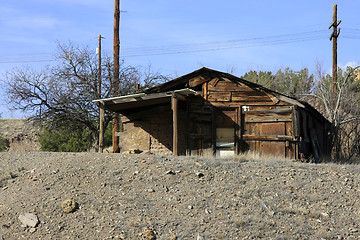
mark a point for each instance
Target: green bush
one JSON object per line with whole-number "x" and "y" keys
{"x": 108, "y": 135}
{"x": 4, "y": 144}
{"x": 66, "y": 140}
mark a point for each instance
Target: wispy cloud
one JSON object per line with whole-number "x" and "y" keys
{"x": 33, "y": 22}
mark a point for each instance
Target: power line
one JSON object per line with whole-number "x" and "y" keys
{"x": 191, "y": 47}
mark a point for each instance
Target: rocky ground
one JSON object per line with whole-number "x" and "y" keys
{"x": 22, "y": 134}
{"x": 145, "y": 196}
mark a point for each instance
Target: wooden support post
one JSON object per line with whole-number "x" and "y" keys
{"x": 238, "y": 131}
{"x": 335, "y": 34}
{"x": 101, "y": 127}
{"x": 116, "y": 80}
{"x": 213, "y": 129}
{"x": 115, "y": 130}
{"x": 174, "y": 107}
{"x": 188, "y": 106}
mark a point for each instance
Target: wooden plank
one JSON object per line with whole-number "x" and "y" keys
{"x": 248, "y": 137}
{"x": 174, "y": 106}
{"x": 273, "y": 148}
{"x": 214, "y": 81}
{"x": 268, "y": 118}
{"x": 238, "y": 136}
{"x": 273, "y": 128}
{"x": 235, "y": 97}
{"x": 267, "y": 107}
{"x": 205, "y": 91}
{"x": 199, "y": 136}
{"x": 236, "y": 104}
{"x": 196, "y": 81}
{"x": 240, "y": 94}
{"x": 188, "y": 106}
{"x": 219, "y": 96}
{"x": 213, "y": 130}
{"x": 281, "y": 110}
{"x": 289, "y": 129}
{"x": 101, "y": 126}
{"x": 230, "y": 86}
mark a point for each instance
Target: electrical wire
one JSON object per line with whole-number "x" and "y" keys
{"x": 348, "y": 33}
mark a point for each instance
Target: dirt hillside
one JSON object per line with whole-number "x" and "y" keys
{"x": 22, "y": 134}
{"x": 154, "y": 197}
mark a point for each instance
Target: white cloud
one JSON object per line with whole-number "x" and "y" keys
{"x": 33, "y": 22}
{"x": 349, "y": 64}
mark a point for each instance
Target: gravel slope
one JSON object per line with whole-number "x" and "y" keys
{"x": 155, "y": 197}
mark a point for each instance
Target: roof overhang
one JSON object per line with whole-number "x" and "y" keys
{"x": 122, "y": 103}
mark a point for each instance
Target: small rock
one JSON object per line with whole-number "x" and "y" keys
{"x": 200, "y": 174}
{"x": 173, "y": 236}
{"x": 190, "y": 207}
{"x": 32, "y": 230}
{"x": 69, "y": 205}
{"x": 199, "y": 237}
{"x": 148, "y": 234}
{"x": 170, "y": 172}
{"x": 29, "y": 220}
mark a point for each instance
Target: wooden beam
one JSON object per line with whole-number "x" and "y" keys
{"x": 268, "y": 138}
{"x": 268, "y": 118}
{"x": 213, "y": 130}
{"x": 196, "y": 81}
{"x": 101, "y": 127}
{"x": 174, "y": 107}
{"x": 239, "y": 126}
{"x": 280, "y": 110}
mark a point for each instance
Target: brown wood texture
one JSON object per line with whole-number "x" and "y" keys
{"x": 273, "y": 148}
{"x": 268, "y": 137}
{"x": 237, "y": 104}
{"x": 219, "y": 96}
{"x": 268, "y": 118}
{"x": 197, "y": 81}
{"x": 174, "y": 107}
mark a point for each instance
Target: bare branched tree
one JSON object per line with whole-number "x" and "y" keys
{"x": 62, "y": 95}
{"x": 341, "y": 109}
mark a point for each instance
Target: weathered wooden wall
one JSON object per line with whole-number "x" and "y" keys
{"x": 151, "y": 131}
{"x": 227, "y": 117}
{"x": 261, "y": 123}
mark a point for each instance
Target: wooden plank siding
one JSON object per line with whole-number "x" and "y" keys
{"x": 207, "y": 112}
{"x": 266, "y": 126}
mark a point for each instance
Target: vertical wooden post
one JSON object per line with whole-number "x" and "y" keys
{"x": 101, "y": 105}
{"x": 188, "y": 106}
{"x": 101, "y": 127}
{"x": 213, "y": 129}
{"x": 99, "y": 74}
{"x": 174, "y": 107}
{"x": 334, "y": 37}
{"x": 116, "y": 81}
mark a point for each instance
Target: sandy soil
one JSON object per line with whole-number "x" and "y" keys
{"x": 156, "y": 197}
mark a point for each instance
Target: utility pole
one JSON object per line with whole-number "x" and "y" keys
{"x": 99, "y": 75}
{"x": 335, "y": 34}
{"x": 101, "y": 108}
{"x": 116, "y": 81}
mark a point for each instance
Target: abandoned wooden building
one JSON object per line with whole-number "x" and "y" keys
{"x": 208, "y": 112}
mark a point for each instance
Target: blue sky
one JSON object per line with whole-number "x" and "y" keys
{"x": 177, "y": 37}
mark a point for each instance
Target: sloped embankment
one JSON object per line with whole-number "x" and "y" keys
{"x": 154, "y": 197}
{"x": 22, "y": 134}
